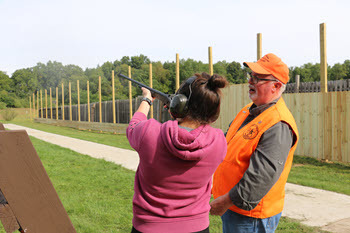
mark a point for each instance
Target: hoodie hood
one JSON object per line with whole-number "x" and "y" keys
{"x": 187, "y": 145}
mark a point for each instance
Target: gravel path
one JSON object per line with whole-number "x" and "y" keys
{"x": 313, "y": 207}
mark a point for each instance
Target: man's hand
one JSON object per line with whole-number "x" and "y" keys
{"x": 220, "y": 205}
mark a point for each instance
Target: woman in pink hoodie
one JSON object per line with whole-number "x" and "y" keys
{"x": 177, "y": 160}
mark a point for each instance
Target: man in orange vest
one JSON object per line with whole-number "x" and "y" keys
{"x": 248, "y": 185}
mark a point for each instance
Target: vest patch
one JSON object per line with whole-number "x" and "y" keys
{"x": 251, "y": 132}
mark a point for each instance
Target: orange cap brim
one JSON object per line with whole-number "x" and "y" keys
{"x": 256, "y": 68}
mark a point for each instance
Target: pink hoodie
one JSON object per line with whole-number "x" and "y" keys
{"x": 173, "y": 180}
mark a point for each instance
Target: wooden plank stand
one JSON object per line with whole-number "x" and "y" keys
{"x": 30, "y": 202}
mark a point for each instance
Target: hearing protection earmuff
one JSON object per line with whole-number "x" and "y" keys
{"x": 179, "y": 102}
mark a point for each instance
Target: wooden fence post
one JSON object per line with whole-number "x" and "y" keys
{"x": 50, "y": 103}
{"x": 100, "y": 98}
{"x": 45, "y": 103}
{"x": 323, "y": 51}
{"x": 160, "y": 108}
{"x": 210, "y": 51}
{"x": 130, "y": 96}
{"x": 297, "y": 83}
{"x": 30, "y": 107}
{"x": 34, "y": 112}
{"x": 93, "y": 112}
{"x": 88, "y": 100}
{"x": 177, "y": 81}
{"x": 37, "y": 102}
{"x": 57, "y": 103}
{"x": 113, "y": 97}
{"x": 62, "y": 102}
{"x": 78, "y": 89}
{"x": 41, "y": 104}
{"x": 70, "y": 102}
{"x": 259, "y": 46}
{"x": 151, "y": 85}
{"x": 326, "y": 111}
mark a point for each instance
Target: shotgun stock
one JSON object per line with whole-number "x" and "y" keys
{"x": 165, "y": 98}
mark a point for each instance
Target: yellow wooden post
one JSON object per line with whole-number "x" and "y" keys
{"x": 37, "y": 102}
{"x": 45, "y": 103}
{"x": 57, "y": 103}
{"x": 99, "y": 88}
{"x": 70, "y": 102}
{"x": 113, "y": 97}
{"x": 50, "y": 103}
{"x": 41, "y": 103}
{"x": 326, "y": 110}
{"x": 62, "y": 101}
{"x": 78, "y": 100}
{"x": 130, "y": 95}
{"x": 34, "y": 112}
{"x": 177, "y": 81}
{"x": 324, "y": 87}
{"x": 30, "y": 107}
{"x": 210, "y": 52}
{"x": 151, "y": 85}
{"x": 88, "y": 100}
{"x": 259, "y": 46}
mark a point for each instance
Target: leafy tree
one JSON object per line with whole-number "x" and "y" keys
{"x": 25, "y": 82}
{"x": 107, "y": 68}
{"x": 14, "y": 91}
{"x": 235, "y": 73}
{"x": 5, "y": 81}
{"x": 338, "y": 72}
{"x": 125, "y": 60}
{"x": 347, "y": 68}
{"x": 138, "y": 61}
{"x": 220, "y": 68}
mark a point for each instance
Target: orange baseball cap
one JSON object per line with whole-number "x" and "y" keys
{"x": 270, "y": 64}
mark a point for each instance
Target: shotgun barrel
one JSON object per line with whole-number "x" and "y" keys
{"x": 165, "y": 98}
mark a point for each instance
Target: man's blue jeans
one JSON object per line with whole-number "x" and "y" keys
{"x": 237, "y": 223}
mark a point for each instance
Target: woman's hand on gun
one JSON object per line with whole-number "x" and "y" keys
{"x": 146, "y": 93}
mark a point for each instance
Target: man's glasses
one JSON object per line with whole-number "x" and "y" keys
{"x": 255, "y": 79}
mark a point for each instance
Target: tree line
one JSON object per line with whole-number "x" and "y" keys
{"x": 15, "y": 90}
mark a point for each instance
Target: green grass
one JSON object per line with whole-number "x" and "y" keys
{"x": 313, "y": 173}
{"x": 97, "y": 194}
{"x": 106, "y": 138}
{"x": 287, "y": 225}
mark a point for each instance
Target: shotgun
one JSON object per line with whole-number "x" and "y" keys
{"x": 165, "y": 98}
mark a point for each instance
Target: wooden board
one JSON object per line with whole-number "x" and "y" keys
{"x": 27, "y": 187}
{"x": 8, "y": 219}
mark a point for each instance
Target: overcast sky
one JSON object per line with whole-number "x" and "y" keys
{"x": 88, "y": 33}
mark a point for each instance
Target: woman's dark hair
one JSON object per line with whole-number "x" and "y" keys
{"x": 204, "y": 102}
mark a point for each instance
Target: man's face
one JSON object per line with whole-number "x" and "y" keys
{"x": 262, "y": 91}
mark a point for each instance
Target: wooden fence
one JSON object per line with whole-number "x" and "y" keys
{"x": 121, "y": 111}
{"x": 322, "y": 120}
{"x": 337, "y": 85}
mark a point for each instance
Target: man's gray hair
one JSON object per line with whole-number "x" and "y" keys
{"x": 282, "y": 89}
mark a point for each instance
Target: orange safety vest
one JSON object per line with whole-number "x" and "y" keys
{"x": 241, "y": 145}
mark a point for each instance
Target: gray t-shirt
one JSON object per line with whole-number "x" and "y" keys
{"x": 186, "y": 128}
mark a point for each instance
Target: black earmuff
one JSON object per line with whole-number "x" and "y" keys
{"x": 179, "y": 102}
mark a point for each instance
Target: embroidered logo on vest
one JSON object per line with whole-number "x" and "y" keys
{"x": 251, "y": 132}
